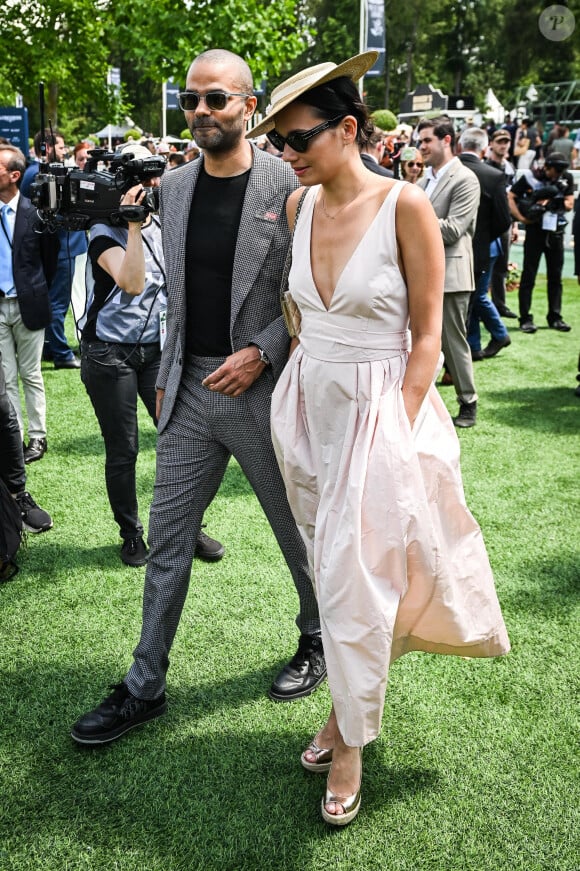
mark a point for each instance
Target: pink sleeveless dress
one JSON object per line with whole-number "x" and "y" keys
{"x": 398, "y": 561}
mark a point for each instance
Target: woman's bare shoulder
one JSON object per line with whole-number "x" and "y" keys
{"x": 292, "y": 204}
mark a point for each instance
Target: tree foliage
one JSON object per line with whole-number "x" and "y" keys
{"x": 71, "y": 43}
{"x": 460, "y": 46}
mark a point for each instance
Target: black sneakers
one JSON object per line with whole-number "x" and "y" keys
{"x": 134, "y": 552}
{"x": 207, "y": 548}
{"x": 467, "y": 414}
{"x": 117, "y": 714}
{"x": 34, "y": 518}
{"x": 303, "y": 674}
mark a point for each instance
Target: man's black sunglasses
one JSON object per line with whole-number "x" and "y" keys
{"x": 299, "y": 141}
{"x": 217, "y": 100}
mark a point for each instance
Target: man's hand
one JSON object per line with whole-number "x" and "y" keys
{"x": 159, "y": 402}
{"x": 239, "y": 372}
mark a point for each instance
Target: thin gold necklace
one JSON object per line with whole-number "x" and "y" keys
{"x": 336, "y": 214}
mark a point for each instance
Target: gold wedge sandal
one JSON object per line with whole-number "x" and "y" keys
{"x": 323, "y": 758}
{"x": 350, "y": 805}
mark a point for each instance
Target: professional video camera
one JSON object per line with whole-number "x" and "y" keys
{"x": 69, "y": 198}
{"x": 547, "y": 198}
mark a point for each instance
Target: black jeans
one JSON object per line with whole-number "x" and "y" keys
{"x": 12, "y": 469}
{"x": 114, "y": 376}
{"x": 551, "y": 245}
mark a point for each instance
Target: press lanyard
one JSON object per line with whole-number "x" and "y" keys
{"x": 4, "y": 227}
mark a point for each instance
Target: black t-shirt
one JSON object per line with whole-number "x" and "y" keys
{"x": 210, "y": 247}
{"x": 104, "y": 284}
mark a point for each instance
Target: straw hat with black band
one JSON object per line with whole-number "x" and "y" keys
{"x": 354, "y": 68}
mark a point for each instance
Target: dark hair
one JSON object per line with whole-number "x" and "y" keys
{"x": 340, "y": 97}
{"x": 49, "y": 137}
{"x": 442, "y": 127}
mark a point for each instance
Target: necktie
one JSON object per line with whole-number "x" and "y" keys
{"x": 5, "y": 223}
{"x": 6, "y": 276}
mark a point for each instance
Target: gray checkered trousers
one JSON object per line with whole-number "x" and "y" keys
{"x": 199, "y": 430}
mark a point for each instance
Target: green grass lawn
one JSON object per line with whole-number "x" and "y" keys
{"x": 476, "y": 768}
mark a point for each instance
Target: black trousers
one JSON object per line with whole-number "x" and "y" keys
{"x": 115, "y": 376}
{"x": 12, "y": 470}
{"x": 551, "y": 245}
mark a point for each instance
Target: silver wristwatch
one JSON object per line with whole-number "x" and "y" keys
{"x": 263, "y": 356}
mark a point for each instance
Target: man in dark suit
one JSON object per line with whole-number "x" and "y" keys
{"x": 372, "y": 151}
{"x": 72, "y": 244}
{"x": 27, "y": 264}
{"x": 493, "y": 219}
{"x": 225, "y": 242}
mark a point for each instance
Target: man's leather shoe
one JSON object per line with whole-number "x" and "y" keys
{"x": 476, "y": 355}
{"x": 208, "y": 549}
{"x": 303, "y": 674}
{"x": 495, "y": 346}
{"x": 72, "y": 363}
{"x": 528, "y": 327}
{"x": 560, "y": 325}
{"x": 467, "y": 414}
{"x": 117, "y": 714}
{"x": 446, "y": 379}
{"x": 35, "y": 450}
{"x": 506, "y": 313}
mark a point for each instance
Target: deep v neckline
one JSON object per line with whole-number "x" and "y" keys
{"x": 350, "y": 259}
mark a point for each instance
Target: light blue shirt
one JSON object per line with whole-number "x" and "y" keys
{"x": 8, "y": 219}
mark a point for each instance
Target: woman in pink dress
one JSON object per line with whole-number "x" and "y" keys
{"x": 368, "y": 451}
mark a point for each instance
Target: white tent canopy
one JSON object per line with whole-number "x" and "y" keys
{"x": 115, "y": 131}
{"x": 493, "y": 107}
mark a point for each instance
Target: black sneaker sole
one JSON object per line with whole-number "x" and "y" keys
{"x": 29, "y": 528}
{"x": 210, "y": 557}
{"x": 113, "y": 734}
{"x": 279, "y": 697}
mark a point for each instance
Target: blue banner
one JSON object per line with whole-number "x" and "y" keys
{"x": 14, "y": 127}
{"x": 171, "y": 92}
{"x": 376, "y": 34}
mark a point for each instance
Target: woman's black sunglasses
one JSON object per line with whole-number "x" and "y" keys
{"x": 299, "y": 141}
{"x": 217, "y": 100}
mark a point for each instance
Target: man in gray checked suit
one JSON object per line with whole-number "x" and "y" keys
{"x": 454, "y": 192}
{"x": 225, "y": 241}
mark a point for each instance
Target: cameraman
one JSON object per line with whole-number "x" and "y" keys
{"x": 121, "y": 352}
{"x": 540, "y": 203}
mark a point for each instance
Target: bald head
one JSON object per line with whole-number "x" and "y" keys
{"x": 236, "y": 67}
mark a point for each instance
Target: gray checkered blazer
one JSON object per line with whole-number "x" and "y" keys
{"x": 262, "y": 244}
